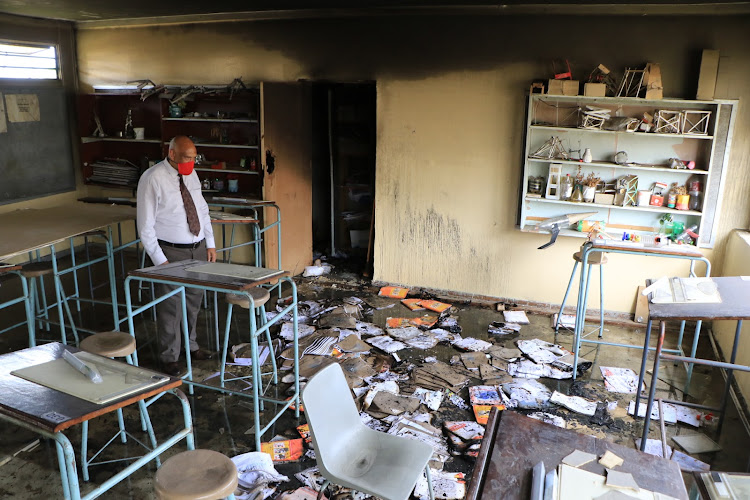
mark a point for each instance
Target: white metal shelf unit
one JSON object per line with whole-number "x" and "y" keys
{"x": 648, "y": 154}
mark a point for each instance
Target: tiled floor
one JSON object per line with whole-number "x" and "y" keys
{"x": 222, "y": 422}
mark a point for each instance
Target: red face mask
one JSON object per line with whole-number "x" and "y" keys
{"x": 186, "y": 168}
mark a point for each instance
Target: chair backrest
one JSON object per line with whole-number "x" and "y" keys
{"x": 331, "y": 413}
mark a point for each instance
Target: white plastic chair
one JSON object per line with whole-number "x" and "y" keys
{"x": 351, "y": 454}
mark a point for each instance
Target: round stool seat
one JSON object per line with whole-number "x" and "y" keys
{"x": 196, "y": 475}
{"x": 36, "y": 269}
{"x": 260, "y": 296}
{"x": 109, "y": 344}
{"x": 595, "y": 259}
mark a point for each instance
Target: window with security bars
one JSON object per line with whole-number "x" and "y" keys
{"x": 37, "y": 62}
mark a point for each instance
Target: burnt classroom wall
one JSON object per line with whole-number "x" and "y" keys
{"x": 59, "y": 33}
{"x": 450, "y": 116}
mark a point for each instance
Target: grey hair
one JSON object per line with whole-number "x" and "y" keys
{"x": 173, "y": 142}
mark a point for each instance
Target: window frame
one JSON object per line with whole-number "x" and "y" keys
{"x": 43, "y": 81}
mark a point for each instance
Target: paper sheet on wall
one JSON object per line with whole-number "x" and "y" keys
{"x": 3, "y": 123}
{"x": 22, "y": 108}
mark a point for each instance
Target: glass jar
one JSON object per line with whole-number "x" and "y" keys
{"x": 577, "y": 196}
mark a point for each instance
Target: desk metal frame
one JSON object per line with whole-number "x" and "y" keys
{"x": 707, "y": 312}
{"x": 238, "y": 288}
{"x": 583, "y": 293}
{"x": 85, "y": 221}
{"x": 253, "y": 206}
{"x": 25, "y": 298}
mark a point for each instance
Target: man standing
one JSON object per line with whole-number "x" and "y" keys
{"x": 174, "y": 225}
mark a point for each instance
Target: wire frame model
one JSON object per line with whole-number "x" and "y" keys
{"x": 668, "y": 122}
{"x": 695, "y": 122}
{"x": 631, "y": 83}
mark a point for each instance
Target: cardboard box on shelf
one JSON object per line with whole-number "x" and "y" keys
{"x": 562, "y": 87}
{"x": 604, "y": 199}
{"x": 594, "y": 89}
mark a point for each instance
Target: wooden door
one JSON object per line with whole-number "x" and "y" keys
{"x": 285, "y": 135}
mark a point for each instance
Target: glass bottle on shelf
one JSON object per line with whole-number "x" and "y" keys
{"x": 129, "y": 130}
{"x": 566, "y": 188}
{"x": 577, "y": 196}
{"x": 695, "y": 196}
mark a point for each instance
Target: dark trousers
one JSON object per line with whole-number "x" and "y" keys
{"x": 169, "y": 312}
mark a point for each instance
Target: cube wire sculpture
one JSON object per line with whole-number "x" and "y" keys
{"x": 668, "y": 122}
{"x": 695, "y": 122}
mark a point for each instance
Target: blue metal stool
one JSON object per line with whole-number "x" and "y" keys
{"x": 260, "y": 296}
{"x": 113, "y": 345}
{"x": 597, "y": 259}
{"x": 196, "y": 475}
{"x": 38, "y": 298}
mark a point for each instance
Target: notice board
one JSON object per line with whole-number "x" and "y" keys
{"x": 36, "y": 158}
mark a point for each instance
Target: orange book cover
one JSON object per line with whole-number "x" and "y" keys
{"x": 397, "y": 322}
{"x": 482, "y": 412}
{"x": 294, "y": 406}
{"x": 393, "y": 292}
{"x": 425, "y": 321}
{"x": 283, "y": 451}
{"x": 413, "y": 304}
{"x": 434, "y": 305}
{"x": 304, "y": 431}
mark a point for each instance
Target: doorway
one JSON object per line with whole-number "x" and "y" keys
{"x": 343, "y": 164}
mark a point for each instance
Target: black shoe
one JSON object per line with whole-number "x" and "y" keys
{"x": 200, "y": 355}
{"x": 172, "y": 369}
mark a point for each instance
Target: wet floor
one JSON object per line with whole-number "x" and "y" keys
{"x": 224, "y": 422}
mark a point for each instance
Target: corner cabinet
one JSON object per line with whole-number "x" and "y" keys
{"x": 560, "y": 120}
{"x": 226, "y": 131}
{"x": 224, "y": 125}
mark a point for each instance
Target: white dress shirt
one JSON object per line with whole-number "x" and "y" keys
{"x": 161, "y": 212}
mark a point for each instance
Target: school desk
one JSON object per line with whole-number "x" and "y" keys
{"x": 48, "y": 412}
{"x": 685, "y": 252}
{"x": 32, "y": 230}
{"x": 224, "y": 278}
{"x": 734, "y": 305}
{"x": 513, "y": 444}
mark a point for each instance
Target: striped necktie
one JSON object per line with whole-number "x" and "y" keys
{"x": 192, "y": 214}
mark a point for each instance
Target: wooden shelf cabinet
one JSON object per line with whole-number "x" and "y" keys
{"x": 224, "y": 127}
{"x": 648, "y": 156}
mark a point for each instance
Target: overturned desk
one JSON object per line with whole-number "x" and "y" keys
{"x": 48, "y": 412}
{"x": 224, "y": 278}
{"x": 513, "y": 444}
